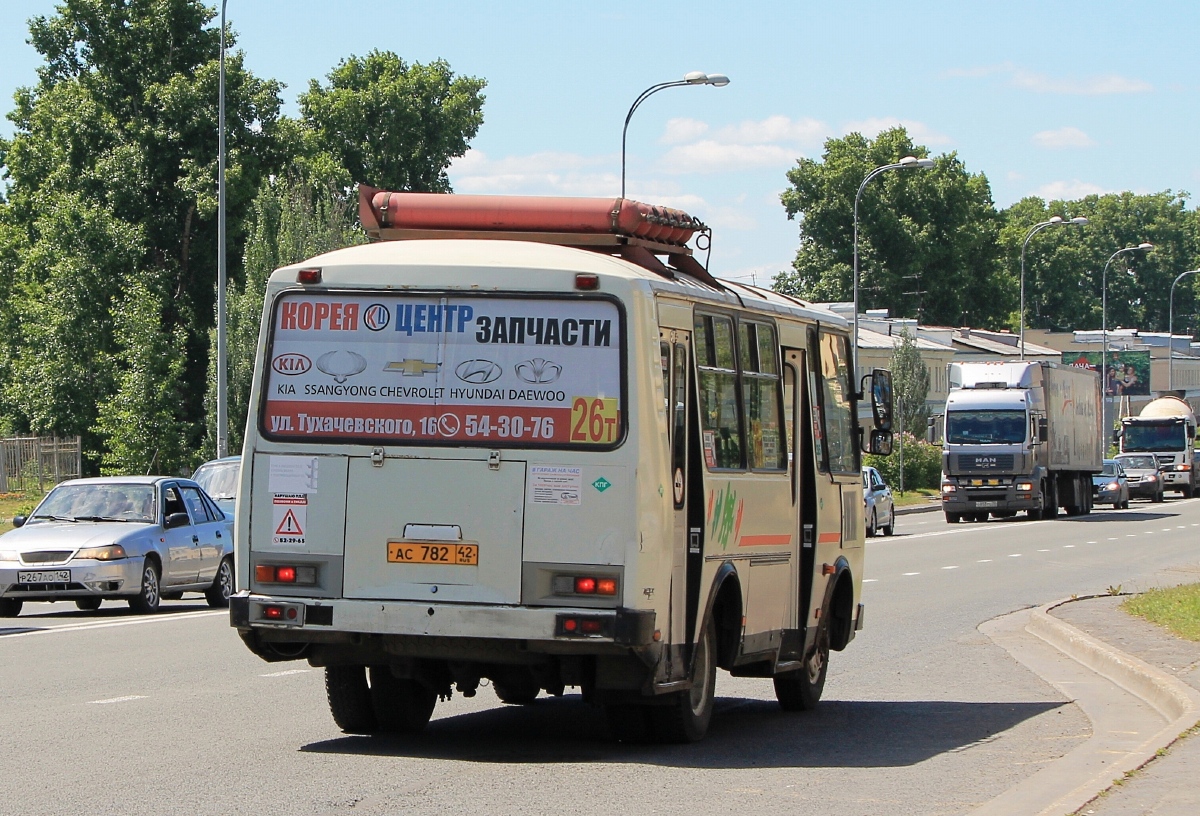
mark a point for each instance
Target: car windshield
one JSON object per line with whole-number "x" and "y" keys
{"x": 97, "y": 502}
{"x": 1138, "y": 437}
{"x": 1110, "y": 469}
{"x": 218, "y": 479}
{"x": 985, "y": 427}
{"x": 1139, "y": 462}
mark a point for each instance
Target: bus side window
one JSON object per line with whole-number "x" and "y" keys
{"x": 836, "y": 395}
{"x": 664, "y": 353}
{"x": 679, "y": 414}
{"x": 816, "y": 400}
{"x": 761, "y": 395}
{"x": 716, "y": 366}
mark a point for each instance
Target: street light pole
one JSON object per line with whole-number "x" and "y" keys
{"x": 222, "y": 362}
{"x": 692, "y": 78}
{"x": 1053, "y": 221}
{"x": 908, "y": 162}
{"x": 1144, "y": 246}
{"x": 1171, "y": 329}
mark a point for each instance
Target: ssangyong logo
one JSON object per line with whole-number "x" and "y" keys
{"x": 376, "y": 317}
{"x": 290, "y": 365}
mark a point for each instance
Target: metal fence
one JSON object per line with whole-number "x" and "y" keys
{"x": 38, "y": 463}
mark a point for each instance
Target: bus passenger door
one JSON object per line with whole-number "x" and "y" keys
{"x": 678, "y": 393}
{"x": 798, "y": 418}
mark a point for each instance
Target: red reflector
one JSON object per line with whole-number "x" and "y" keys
{"x": 570, "y": 625}
{"x": 273, "y": 612}
{"x": 285, "y": 575}
{"x": 291, "y": 613}
{"x": 585, "y": 586}
{"x": 590, "y": 627}
{"x": 606, "y": 586}
{"x": 264, "y": 574}
{"x": 308, "y": 276}
{"x": 587, "y": 282}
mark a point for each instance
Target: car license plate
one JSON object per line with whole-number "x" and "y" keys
{"x": 987, "y": 504}
{"x": 44, "y": 577}
{"x": 407, "y": 552}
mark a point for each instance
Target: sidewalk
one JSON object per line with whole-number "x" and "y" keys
{"x": 1167, "y": 785}
{"x": 1138, "y": 685}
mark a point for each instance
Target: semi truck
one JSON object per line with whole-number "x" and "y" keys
{"x": 1019, "y": 436}
{"x": 1166, "y": 427}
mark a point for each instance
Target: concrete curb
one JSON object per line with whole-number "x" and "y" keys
{"x": 932, "y": 507}
{"x": 1175, "y": 701}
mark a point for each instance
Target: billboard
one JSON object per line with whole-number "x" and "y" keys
{"x": 1128, "y": 372}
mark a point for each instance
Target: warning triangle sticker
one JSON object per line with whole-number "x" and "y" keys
{"x": 290, "y": 525}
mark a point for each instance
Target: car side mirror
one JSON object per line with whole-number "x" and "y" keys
{"x": 19, "y": 521}
{"x": 177, "y": 520}
{"x": 879, "y": 443}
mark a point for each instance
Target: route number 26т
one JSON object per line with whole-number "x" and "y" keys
{"x": 594, "y": 420}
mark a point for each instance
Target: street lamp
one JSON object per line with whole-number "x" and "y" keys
{"x": 907, "y": 163}
{"x": 1142, "y": 247}
{"x": 1053, "y": 221}
{"x": 1171, "y": 329}
{"x": 691, "y": 78}
{"x": 222, "y": 387}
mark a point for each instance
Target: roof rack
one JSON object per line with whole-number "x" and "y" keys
{"x": 654, "y": 238}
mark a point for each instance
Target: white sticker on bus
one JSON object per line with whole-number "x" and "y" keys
{"x": 554, "y": 484}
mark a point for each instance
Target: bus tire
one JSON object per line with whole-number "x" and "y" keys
{"x": 686, "y": 716}
{"x": 350, "y": 699}
{"x": 629, "y": 723}
{"x": 517, "y": 687}
{"x": 402, "y": 706}
{"x": 801, "y": 690}
{"x": 953, "y": 518}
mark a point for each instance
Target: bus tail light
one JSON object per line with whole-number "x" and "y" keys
{"x": 587, "y": 282}
{"x": 583, "y": 626}
{"x": 309, "y": 276}
{"x": 584, "y": 585}
{"x": 285, "y": 574}
{"x": 285, "y": 614}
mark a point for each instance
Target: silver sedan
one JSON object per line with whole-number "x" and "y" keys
{"x": 140, "y": 539}
{"x": 879, "y": 508}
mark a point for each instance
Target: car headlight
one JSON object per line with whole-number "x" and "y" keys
{"x": 1112, "y": 486}
{"x": 1151, "y": 478}
{"x": 1184, "y": 466}
{"x": 1024, "y": 487}
{"x": 8, "y": 555}
{"x": 109, "y": 553}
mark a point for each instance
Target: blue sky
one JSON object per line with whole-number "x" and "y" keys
{"x": 1055, "y": 100}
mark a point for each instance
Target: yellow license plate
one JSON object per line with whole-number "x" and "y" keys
{"x": 408, "y": 552}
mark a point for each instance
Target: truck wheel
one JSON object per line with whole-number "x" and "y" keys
{"x": 686, "y": 717}
{"x": 1050, "y": 499}
{"x": 953, "y": 518}
{"x": 401, "y": 706}
{"x": 516, "y": 687}
{"x": 1186, "y": 491}
{"x": 801, "y": 690}
{"x": 350, "y": 699}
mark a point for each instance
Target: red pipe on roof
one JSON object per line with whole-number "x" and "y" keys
{"x": 379, "y": 209}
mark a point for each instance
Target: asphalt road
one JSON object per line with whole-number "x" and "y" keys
{"x": 109, "y": 712}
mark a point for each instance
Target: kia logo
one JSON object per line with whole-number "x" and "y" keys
{"x": 376, "y": 317}
{"x": 290, "y": 365}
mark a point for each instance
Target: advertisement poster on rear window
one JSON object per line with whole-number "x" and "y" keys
{"x": 490, "y": 371}
{"x": 1128, "y": 372}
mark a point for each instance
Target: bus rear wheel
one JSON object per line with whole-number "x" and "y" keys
{"x": 801, "y": 690}
{"x": 686, "y": 717}
{"x": 402, "y": 706}
{"x": 350, "y": 699}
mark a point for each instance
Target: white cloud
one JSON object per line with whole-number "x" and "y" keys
{"x": 807, "y": 132}
{"x": 1101, "y": 85}
{"x": 710, "y": 156}
{"x": 1068, "y": 190}
{"x": 1063, "y": 137}
{"x": 1092, "y": 86}
{"x": 535, "y": 174}
{"x": 682, "y": 130}
{"x": 920, "y": 132}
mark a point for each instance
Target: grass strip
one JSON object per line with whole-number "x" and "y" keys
{"x": 1176, "y": 608}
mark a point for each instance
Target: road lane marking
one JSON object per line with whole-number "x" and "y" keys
{"x": 912, "y": 573}
{"x": 1112, "y": 538}
{"x": 81, "y": 627}
{"x": 286, "y": 672}
{"x": 1131, "y": 535}
{"x": 984, "y": 561}
{"x": 865, "y": 581}
{"x": 1014, "y": 555}
{"x": 1069, "y": 546}
{"x": 124, "y": 699}
{"x": 1097, "y": 542}
{"x": 1043, "y": 551}
{"x": 955, "y": 567}
{"x": 1165, "y": 530}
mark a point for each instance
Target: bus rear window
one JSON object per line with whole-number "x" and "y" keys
{"x": 420, "y": 370}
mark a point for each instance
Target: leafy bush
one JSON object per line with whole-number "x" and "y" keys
{"x": 922, "y": 464}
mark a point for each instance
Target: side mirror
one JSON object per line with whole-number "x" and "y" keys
{"x": 1116, "y": 436}
{"x": 177, "y": 520}
{"x": 881, "y": 397}
{"x": 879, "y": 443}
{"x": 19, "y": 521}
{"x": 1043, "y": 430}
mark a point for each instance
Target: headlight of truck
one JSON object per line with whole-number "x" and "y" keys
{"x": 948, "y": 488}
{"x": 1024, "y": 487}
{"x": 1184, "y": 466}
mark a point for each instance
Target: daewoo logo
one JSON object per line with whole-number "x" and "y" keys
{"x": 290, "y": 365}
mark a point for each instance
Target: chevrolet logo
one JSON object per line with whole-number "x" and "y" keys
{"x": 412, "y": 368}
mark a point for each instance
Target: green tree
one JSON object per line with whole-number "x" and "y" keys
{"x": 292, "y": 219}
{"x": 927, "y": 238}
{"x": 1064, "y": 265}
{"x": 141, "y": 423}
{"x": 119, "y": 130}
{"x": 910, "y": 384}
{"x": 393, "y": 125}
